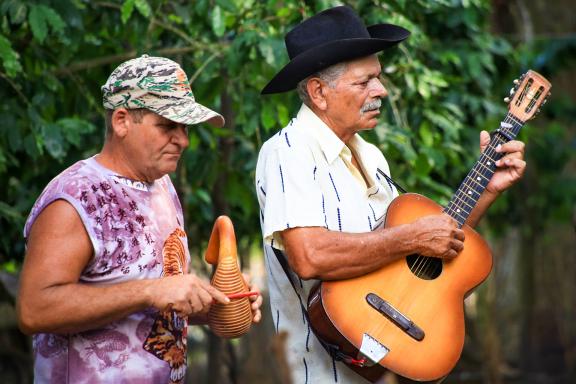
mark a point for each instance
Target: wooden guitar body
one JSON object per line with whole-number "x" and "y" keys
{"x": 432, "y": 303}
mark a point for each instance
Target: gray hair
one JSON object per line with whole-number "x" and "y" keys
{"x": 330, "y": 75}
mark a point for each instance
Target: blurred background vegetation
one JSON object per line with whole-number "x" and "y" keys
{"x": 446, "y": 83}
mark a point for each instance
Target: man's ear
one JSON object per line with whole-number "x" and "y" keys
{"x": 121, "y": 122}
{"x": 317, "y": 93}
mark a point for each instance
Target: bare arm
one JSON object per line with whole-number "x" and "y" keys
{"x": 51, "y": 298}
{"x": 317, "y": 253}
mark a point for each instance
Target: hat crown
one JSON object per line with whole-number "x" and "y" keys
{"x": 147, "y": 74}
{"x": 338, "y": 23}
{"x": 333, "y": 36}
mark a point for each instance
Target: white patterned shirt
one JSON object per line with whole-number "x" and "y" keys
{"x": 301, "y": 181}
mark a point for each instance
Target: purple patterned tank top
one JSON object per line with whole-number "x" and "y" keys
{"x": 136, "y": 230}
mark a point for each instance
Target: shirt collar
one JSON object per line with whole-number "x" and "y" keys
{"x": 329, "y": 143}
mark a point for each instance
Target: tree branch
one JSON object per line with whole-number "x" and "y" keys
{"x": 100, "y": 61}
{"x": 15, "y": 87}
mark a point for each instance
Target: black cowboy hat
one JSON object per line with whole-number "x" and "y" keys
{"x": 332, "y": 36}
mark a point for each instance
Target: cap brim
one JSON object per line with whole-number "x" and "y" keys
{"x": 189, "y": 112}
{"x": 307, "y": 63}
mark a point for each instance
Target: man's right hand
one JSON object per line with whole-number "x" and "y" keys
{"x": 186, "y": 294}
{"x": 437, "y": 236}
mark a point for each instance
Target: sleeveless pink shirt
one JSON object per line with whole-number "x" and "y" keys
{"x": 136, "y": 230}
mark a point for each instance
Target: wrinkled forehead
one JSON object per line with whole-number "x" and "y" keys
{"x": 364, "y": 66}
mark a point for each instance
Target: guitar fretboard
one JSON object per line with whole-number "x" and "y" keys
{"x": 474, "y": 184}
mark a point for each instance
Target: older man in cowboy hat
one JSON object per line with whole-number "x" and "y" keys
{"x": 322, "y": 198}
{"x": 105, "y": 286}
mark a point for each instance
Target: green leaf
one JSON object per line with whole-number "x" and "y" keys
{"x": 32, "y": 147}
{"x": 53, "y": 140}
{"x": 228, "y": 5}
{"x": 2, "y": 161}
{"x": 37, "y": 21}
{"x": 127, "y": 9}
{"x": 9, "y": 212}
{"x": 283, "y": 115}
{"x": 74, "y": 129}
{"x": 40, "y": 18}
{"x": 203, "y": 195}
{"x": 17, "y": 12}
{"x": 435, "y": 157}
{"x": 267, "y": 52}
{"x": 218, "y": 22}
{"x": 54, "y": 20}
{"x": 284, "y": 12}
{"x": 10, "y": 267}
{"x": 423, "y": 165}
{"x": 9, "y": 57}
{"x": 194, "y": 141}
{"x": 143, "y": 7}
{"x": 444, "y": 120}
{"x": 424, "y": 90}
{"x": 267, "y": 116}
{"x": 426, "y": 134}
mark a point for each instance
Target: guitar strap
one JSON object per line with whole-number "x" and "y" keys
{"x": 390, "y": 180}
{"x": 333, "y": 350}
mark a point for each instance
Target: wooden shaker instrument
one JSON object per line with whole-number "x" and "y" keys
{"x": 235, "y": 318}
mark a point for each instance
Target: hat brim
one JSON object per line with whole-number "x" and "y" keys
{"x": 188, "y": 112}
{"x": 383, "y": 36}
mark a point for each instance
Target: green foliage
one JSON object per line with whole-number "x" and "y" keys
{"x": 55, "y": 55}
{"x": 9, "y": 57}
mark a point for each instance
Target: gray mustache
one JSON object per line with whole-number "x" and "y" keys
{"x": 376, "y": 104}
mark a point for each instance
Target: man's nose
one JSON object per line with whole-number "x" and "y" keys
{"x": 377, "y": 89}
{"x": 181, "y": 136}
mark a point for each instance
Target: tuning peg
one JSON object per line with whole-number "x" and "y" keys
{"x": 516, "y": 81}
{"x": 506, "y": 99}
{"x": 512, "y": 91}
{"x": 544, "y": 102}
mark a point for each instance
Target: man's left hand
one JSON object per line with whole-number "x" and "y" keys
{"x": 510, "y": 168}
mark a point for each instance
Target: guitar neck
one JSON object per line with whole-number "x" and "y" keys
{"x": 474, "y": 184}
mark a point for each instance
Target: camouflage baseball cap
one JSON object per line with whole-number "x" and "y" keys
{"x": 157, "y": 84}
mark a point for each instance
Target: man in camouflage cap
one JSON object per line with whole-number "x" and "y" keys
{"x": 105, "y": 286}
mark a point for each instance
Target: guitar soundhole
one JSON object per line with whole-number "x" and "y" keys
{"x": 427, "y": 268}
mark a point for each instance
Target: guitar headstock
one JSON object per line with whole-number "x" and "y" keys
{"x": 529, "y": 93}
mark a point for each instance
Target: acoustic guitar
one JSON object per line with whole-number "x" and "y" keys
{"x": 408, "y": 317}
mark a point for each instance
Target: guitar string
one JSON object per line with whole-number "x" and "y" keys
{"x": 423, "y": 264}
{"x": 476, "y": 170}
{"x": 476, "y": 188}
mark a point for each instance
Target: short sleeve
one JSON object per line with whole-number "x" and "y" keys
{"x": 292, "y": 197}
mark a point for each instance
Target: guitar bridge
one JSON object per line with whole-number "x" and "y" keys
{"x": 395, "y": 316}
{"x": 372, "y": 349}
